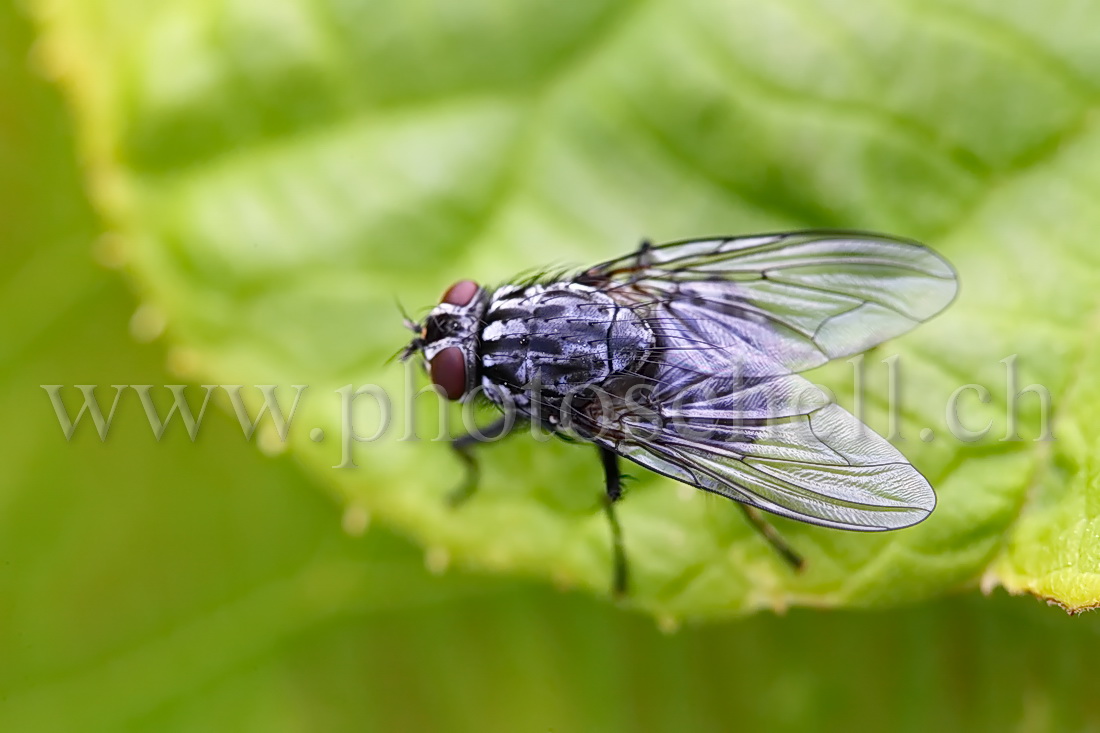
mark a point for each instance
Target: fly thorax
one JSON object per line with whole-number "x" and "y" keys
{"x": 559, "y": 339}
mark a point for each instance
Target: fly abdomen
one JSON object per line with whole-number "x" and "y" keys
{"x": 561, "y": 337}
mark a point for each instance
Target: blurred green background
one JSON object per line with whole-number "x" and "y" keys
{"x": 175, "y": 586}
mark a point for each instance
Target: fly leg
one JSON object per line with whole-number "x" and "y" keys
{"x": 771, "y": 534}
{"x": 642, "y": 260}
{"x": 613, "y": 484}
{"x": 463, "y": 447}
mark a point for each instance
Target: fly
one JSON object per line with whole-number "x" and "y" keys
{"x": 685, "y": 358}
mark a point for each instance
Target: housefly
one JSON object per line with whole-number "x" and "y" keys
{"x": 685, "y": 358}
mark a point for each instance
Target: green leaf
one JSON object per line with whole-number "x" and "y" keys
{"x": 276, "y": 173}
{"x": 136, "y": 573}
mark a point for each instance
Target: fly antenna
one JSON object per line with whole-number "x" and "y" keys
{"x": 409, "y": 322}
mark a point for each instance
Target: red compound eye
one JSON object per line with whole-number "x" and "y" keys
{"x": 461, "y": 293}
{"x": 448, "y": 370}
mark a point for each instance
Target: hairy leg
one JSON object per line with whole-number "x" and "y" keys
{"x": 756, "y": 517}
{"x": 613, "y": 485}
{"x": 463, "y": 447}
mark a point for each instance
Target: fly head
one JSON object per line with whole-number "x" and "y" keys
{"x": 448, "y": 338}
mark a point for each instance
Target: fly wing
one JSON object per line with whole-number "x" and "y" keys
{"x": 713, "y": 411}
{"x": 803, "y": 298}
{"x": 775, "y": 443}
{"x": 823, "y": 468}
